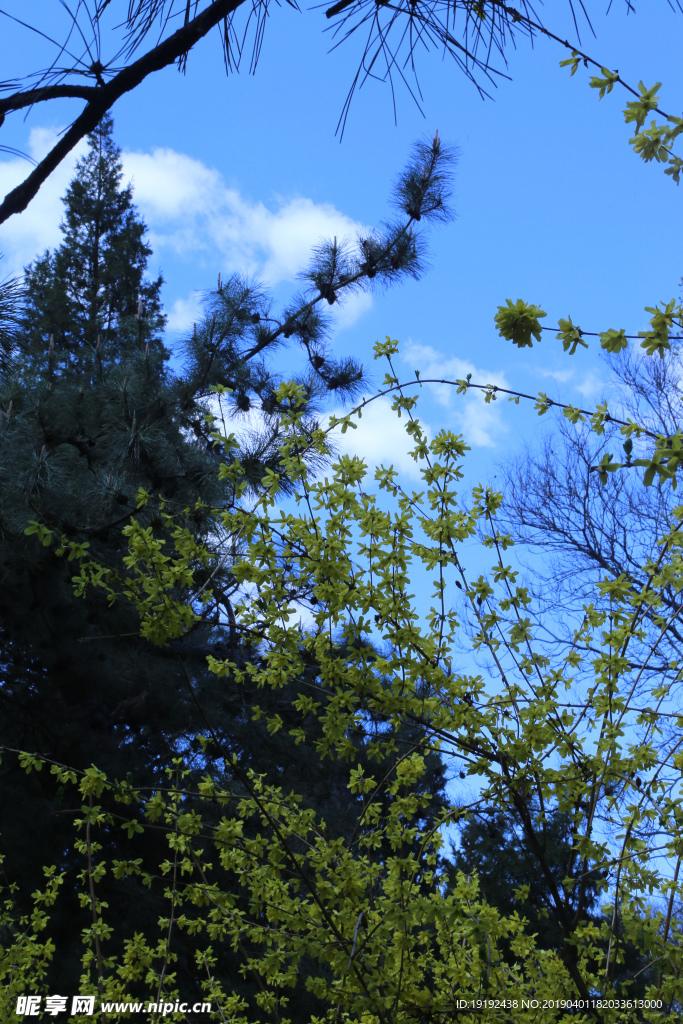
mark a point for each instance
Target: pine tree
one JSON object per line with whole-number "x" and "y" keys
{"x": 10, "y": 315}
{"x": 91, "y": 415}
{"x": 93, "y": 287}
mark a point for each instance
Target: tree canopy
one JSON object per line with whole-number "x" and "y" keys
{"x": 566, "y": 748}
{"x": 92, "y": 414}
{"x": 266, "y": 828}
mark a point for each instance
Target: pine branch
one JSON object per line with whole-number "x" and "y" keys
{"x": 29, "y": 97}
{"x": 104, "y": 97}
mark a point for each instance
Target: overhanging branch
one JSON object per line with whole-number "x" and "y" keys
{"x": 102, "y": 98}
{"x": 29, "y": 97}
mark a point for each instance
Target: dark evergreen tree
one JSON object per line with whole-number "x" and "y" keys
{"x": 491, "y": 848}
{"x": 509, "y": 879}
{"x": 91, "y": 413}
{"x": 93, "y": 287}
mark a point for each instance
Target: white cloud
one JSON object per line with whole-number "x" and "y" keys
{"x": 560, "y": 376}
{"x": 184, "y": 312}
{"x": 380, "y": 439}
{"x": 190, "y": 212}
{"x": 590, "y": 386}
{"x": 190, "y": 209}
{"x": 344, "y": 314}
{"x": 468, "y": 414}
{"x": 169, "y": 185}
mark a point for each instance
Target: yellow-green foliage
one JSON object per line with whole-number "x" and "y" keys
{"x": 384, "y": 939}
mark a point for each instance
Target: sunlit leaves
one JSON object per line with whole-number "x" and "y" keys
{"x": 372, "y": 922}
{"x": 662, "y": 320}
{"x": 637, "y": 110}
{"x": 518, "y": 322}
{"x": 613, "y": 341}
{"x": 571, "y": 336}
{"x": 604, "y": 84}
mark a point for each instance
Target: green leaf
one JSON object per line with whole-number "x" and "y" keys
{"x": 613, "y": 341}
{"x": 41, "y": 532}
{"x": 605, "y": 84}
{"x": 637, "y": 110}
{"x": 518, "y": 322}
{"x": 571, "y": 62}
{"x": 570, "y": 336}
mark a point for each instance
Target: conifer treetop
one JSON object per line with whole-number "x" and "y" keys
{"x": 92, "y": 289}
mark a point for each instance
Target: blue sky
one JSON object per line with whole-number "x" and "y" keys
{"x": 244, "y": 173}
